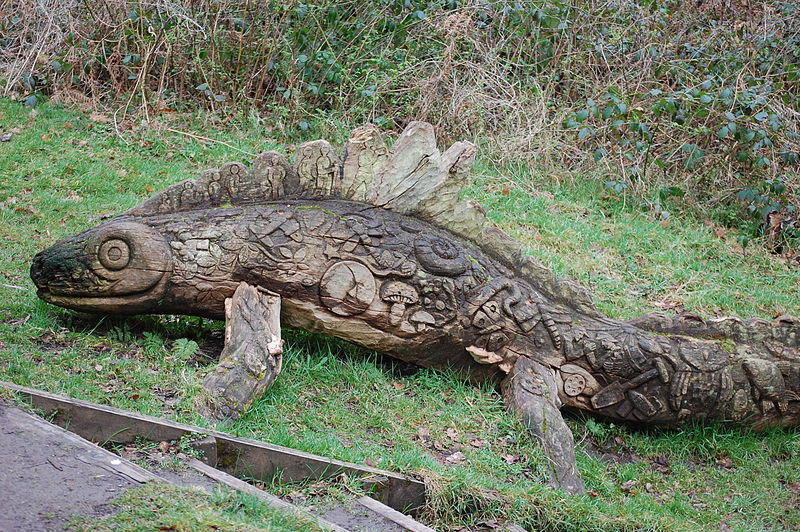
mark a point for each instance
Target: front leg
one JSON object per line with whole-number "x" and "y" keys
{"x": 251, "y": 358}
{"x": 530, "y": 391}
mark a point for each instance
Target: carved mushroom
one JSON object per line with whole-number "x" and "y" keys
{"x": 422, "y": 320}
{"x": 399, "y": 294}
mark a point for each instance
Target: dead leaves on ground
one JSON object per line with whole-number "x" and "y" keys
{"x": 449, "y": 446}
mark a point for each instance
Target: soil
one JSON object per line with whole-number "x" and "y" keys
{"x": 357, "y": 518}
{"x": 45, "y": 481}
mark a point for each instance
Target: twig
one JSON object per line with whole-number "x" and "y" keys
{"x": 4, "y": 285}
{"x": 206, "y": 139}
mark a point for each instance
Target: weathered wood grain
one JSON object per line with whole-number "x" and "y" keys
{"x": 251, "y": 359}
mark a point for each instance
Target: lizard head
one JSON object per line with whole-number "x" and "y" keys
{"x": 119, "y": 266}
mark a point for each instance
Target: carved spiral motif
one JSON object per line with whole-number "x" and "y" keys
{"x": 440, "y": 256}
{"x": 114, "y": 254}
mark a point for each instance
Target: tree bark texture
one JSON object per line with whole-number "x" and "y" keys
{"x": 251, "y": 359}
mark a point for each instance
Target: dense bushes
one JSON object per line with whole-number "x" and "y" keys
{"x": 667, "y": 98}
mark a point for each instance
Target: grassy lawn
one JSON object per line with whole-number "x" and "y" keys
{"x": 158, "y": 507}
{"x": 62, "y": 171}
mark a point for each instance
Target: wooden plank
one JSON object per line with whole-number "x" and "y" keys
{"x": 393, "y": 515}
{"x": 237, "y": 456}
{"x": 245, "y": 457}
{"x": 102, "y": 423}
{"x": 268, "y": 498}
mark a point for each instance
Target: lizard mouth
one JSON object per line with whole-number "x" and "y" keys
{"x": 136, "y": 303}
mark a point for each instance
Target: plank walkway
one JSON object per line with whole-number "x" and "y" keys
{"x": 51, "y": 474}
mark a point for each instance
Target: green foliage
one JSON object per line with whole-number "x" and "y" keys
{"x": 280, "y": 57}
{"x": 660, "y": 93}
{"x": 184, "y": 349}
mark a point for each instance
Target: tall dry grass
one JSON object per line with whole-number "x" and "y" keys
{"x": 697, "y": 97}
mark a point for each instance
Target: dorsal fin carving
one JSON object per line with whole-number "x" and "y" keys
{"x": 413, "y": 178}
{"x": 365, "y": 154}
{"x": 274, "y": 178}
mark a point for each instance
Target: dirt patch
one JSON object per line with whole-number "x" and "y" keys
{"x": 357, "y": 518}
{"x": 45, "y": 481}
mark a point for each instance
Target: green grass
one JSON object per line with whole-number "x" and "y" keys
{"x": 64, "y": 171}
{"x": 155, "y": 506}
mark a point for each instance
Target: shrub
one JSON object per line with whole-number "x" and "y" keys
{"x": 701, "y": 98}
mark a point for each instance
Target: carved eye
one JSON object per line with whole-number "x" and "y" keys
{"x": 114, "y": 254}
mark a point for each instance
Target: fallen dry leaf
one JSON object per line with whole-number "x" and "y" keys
{"x": 726, "y": 462}
{"x": 455, "y": 458}
{"x": 628, "y": 485}
{"x": 661, "y": 464}
{"x": 99, "y": 117}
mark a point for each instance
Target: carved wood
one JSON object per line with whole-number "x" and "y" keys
{"x": 374, "y": 246}
{"x": 251, "y": 359}
{"x": 530, "y": 391}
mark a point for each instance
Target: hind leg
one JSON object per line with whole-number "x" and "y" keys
{"x": 530, "y": 392}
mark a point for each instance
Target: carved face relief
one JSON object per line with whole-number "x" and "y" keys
{"x": 118, "y": 266}
{"x": 704, "y": 385}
